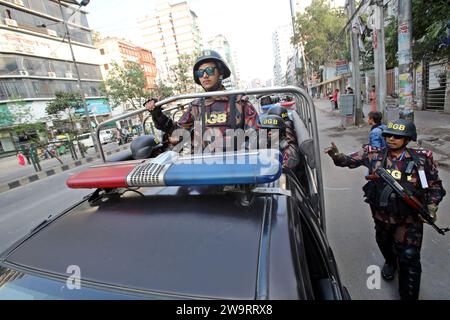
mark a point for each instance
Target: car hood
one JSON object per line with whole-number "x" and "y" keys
{"x": 177, "y": 241}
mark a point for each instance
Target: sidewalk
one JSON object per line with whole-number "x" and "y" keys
{"x": 12, "y": 175}
{"x": 433, "y": 129}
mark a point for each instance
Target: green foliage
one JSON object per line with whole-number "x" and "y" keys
{"x": 125, "y": 85}
{"x": 391, "y": 42}
{"x": 319, "y": 29}
{"x": 64, "y": 102}
{"x": 162, "y": 91}
{"x": 181, "y": 73}
{"x": 429, "y": 21}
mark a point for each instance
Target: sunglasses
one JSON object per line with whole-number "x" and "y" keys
{"x": 209, "y": 71}
{"x": 393, "y": 136}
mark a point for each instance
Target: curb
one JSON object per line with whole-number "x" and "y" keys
{"x": 52, "y": 171}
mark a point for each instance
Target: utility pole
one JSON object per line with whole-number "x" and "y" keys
{"x": 405, "y": 59}
{"x": 380, "y": 57}
{"x": 355, "y": 64}
{"x": 83, "y": 99}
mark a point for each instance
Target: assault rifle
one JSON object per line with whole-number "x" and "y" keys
{"x": 410, "y": 200}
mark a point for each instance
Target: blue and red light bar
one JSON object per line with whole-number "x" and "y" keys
{"x": 170, "y": 169}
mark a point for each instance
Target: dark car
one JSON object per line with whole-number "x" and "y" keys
{"x": 173, "y": 228}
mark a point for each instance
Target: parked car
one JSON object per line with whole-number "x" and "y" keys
{"x": 86, "y": 140}
{"x": 106, "y": 136}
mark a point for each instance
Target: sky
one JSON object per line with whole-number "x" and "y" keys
{"x": 247, "y": 24}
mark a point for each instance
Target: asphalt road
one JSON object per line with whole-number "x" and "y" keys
{"x": 350, "y": 227}
{"x": 349, "y": 223}
{"x": 25, "y": 207}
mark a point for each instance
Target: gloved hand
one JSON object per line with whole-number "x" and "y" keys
{"x": 432, "y": 209}
{"x": 332, "y": 151}
{"x": 150, "y": 105}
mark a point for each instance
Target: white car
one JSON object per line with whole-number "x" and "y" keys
{"x": 86, "y": 140}
{"x": 106, "y": 136}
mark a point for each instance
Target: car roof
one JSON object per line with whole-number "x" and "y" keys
{"x": 198, "y": 244}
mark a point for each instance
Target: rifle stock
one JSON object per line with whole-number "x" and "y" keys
{"x": 411, "y": 201}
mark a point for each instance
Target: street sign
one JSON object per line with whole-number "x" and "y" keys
{"x": 342, "y": 67}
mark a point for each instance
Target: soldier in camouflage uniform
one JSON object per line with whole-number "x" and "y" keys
{"x": 233, "y": 112}
{"x": 288, "y": 140}
{"x": 399, "y": 228}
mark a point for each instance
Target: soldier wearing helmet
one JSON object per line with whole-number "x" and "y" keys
{"x": 289, "y": 144}
{"x": 233, "y": 112}
{"x": 398, "y": 227}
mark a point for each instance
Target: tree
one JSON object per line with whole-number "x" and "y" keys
{"x": 162, "y": 91}
{"x": 126, "y": 85}
{"x": 182, "y": 74}
{"x": 319, "y": 28}
{"x": 429, "y": 32}
{"x": 64, "y": 102}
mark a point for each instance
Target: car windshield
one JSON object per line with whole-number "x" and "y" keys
{"x": 21, "y": 286}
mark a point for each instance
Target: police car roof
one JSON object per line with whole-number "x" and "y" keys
{"x": 185, "y": 241}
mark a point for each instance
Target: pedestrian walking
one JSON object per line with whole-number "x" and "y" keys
{"x": 373, "y": 99}
{"x": 398, "y": 226}
{"x": 21, "y": 159}
{"x": 335, "y": 98}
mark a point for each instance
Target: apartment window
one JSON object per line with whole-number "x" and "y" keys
{"x": 106, "y": 66}
{"x": 102, "y": 52}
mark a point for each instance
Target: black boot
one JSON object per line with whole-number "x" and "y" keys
{"x": 409, "y": 274}
{"x": 388, "y": 271}
{"x": 409, "y": 283}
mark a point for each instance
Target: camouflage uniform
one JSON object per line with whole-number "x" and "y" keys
{"x": 289, "y": 147}
{"x": 218, "y": 115}
{"x": 398, "y": 227}
{"x": 288, "y": 142}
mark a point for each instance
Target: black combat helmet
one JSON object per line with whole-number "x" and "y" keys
{"x": 143, "y": 146}
{"x": 401, "y": 127}
{"x": 271, "y": 121}
{"x": 211, "y": 55}
{"x": 279, "y": 111}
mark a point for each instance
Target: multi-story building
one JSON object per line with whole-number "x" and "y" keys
{"x": 120, "y": 51}
{"x": 36, "y": 61}
{"x": 282, "y": 50}
{"x": 220, "y": 44}
{"x": 172, "y": 30}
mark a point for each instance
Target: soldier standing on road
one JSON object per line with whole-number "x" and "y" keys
{"x": 398, "y": 227}
{"x": 234, "y": 112}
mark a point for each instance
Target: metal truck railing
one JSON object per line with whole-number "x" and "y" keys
{"x": 304, "y": 119}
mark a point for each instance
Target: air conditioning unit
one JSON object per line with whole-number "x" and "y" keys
{"x": 52, "y": 74}
{"x": 23, "y": 73}
{"x": 52, "y": 33}
{"x": 18, "y": 2}
{"x": 69, "y": 75}
{"x": 11, "y": 22}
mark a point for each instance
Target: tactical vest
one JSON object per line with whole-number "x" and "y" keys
{"x": 221, "y": 114}
{"x": 382, "y": 197}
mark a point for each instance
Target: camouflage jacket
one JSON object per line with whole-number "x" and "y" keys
{"x": 372, "y": 158}
{"x": 217, "y": 115}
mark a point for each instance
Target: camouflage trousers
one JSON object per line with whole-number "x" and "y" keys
{"x": 400, "y": 245}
